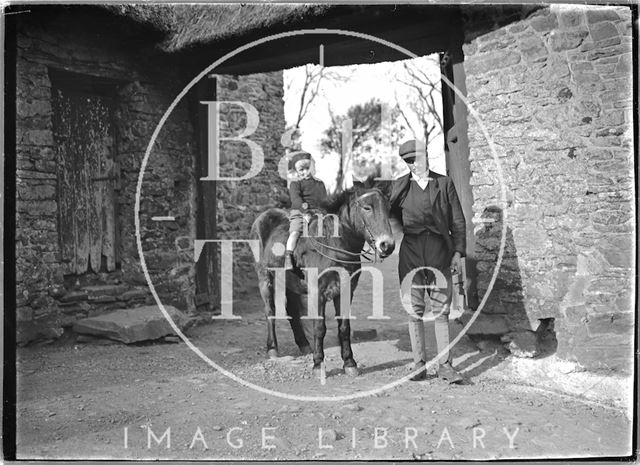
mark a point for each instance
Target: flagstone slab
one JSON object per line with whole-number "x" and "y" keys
{"x": 133, "y": 324}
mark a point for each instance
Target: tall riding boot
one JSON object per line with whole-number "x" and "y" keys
{"x": 445, "y": 369}
{"x": 418, "y": 347}
{"x": 441, "y": 327}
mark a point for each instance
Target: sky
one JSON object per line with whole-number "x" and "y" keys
{"x": 360, "y": 84}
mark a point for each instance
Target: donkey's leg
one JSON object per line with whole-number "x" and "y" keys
{"x": 266, "y": 292}
{"x": 344, "y": 335}
{"x": 319, "y": 331}
{"x": 294, "y": 304}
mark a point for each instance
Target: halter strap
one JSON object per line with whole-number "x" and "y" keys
{"x": 375, "y": 190}
{"x": 366, "y": 254}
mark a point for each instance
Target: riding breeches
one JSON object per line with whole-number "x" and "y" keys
{"x": 436, "y": 286}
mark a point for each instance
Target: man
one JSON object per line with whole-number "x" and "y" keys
{"x": 434, "y": 236}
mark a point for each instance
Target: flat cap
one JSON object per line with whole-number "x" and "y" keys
{"x": 410, "y": 148}
{"x": 296, "y": 157}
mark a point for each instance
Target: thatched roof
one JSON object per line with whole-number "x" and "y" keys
{"x": 188, "y": 25}
{"x": 196, "y": 33}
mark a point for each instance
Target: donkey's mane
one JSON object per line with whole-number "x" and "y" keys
{"x": 334, "y": 202}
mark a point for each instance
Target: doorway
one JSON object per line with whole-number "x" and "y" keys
{"x": 85, "y": 145}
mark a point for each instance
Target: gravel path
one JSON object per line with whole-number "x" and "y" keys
{"x": 112, "y": 401}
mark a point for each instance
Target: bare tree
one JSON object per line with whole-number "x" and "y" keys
{"x": 314, "y": 76}
{"x": 424, "y": 106}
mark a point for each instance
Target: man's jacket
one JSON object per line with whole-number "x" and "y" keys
{"x": 445, "y": 206}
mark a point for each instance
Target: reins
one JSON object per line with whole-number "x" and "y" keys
{"x": 365, "y": 254}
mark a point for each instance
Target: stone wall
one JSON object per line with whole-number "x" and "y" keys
{"x": 554, "y": 91}
{"x": 240, "y": 202}
{"x": 144, "y": 90}
{"x": 145, "y": 84}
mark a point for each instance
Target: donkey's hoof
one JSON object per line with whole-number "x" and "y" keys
{"x": 351, "y": 371}
{"x": 317, "y": 367}
{"x": 305, "y": 350}
{"x": 272, "y": 353}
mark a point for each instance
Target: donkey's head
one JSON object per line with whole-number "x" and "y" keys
{"x": 369, "y": 215}
{"x": 364, "y": 215}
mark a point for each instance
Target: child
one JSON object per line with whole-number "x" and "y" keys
{"x": 306, "y": 194}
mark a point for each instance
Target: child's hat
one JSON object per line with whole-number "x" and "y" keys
{"x": 296, "y": 157}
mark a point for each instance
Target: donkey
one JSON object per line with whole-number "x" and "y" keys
{"x": 362, "y": 214}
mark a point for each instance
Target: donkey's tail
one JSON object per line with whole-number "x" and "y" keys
{"x": 266, "y": 222}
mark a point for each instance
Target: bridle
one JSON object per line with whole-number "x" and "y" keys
{"x": 370, "y": 240}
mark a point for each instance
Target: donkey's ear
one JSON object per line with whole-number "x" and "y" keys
{"x": 370, "y": 182}
{"x": 384, "y": 186}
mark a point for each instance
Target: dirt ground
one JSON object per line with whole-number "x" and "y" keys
{"x": 113, "y": 401}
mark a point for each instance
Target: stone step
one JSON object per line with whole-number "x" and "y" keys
{"x": 105, "y": 289}
{"x": 134, "y": 294}
{"x": 133, "y": 325}
{"x": 101, "y": 299}
{"x": 76, "y": 296}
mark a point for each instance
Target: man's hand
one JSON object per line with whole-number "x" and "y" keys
{"x": 456, "y": 263}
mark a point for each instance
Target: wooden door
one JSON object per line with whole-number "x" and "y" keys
{"x": 85, "y": 150}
